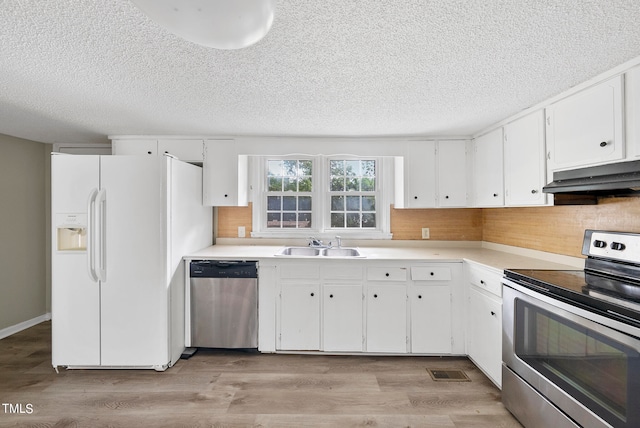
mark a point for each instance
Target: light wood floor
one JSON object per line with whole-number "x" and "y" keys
{"x": 238, "y": 389}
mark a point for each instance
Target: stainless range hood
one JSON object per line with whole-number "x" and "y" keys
{"x": 617, "y": 179}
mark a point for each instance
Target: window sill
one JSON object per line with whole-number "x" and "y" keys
{"x": 325, "y": 236}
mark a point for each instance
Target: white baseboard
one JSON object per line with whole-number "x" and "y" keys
{"x": 5, "y": 332}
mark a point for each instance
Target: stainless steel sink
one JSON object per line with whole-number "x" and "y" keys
{"x": 341, "y": 252}
{"x": 299, "y": 251}
{"x": 320, "y": 252}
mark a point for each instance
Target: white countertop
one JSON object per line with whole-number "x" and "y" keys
{"x": 494, "y": 256}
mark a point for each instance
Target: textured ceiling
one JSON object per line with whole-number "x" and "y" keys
{"x": 76, "y": 71}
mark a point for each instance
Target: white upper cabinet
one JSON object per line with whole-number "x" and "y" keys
{"x": 421, "y": 174}
{"x": 632, "y": 88}
{"x": 225, "y": 174}
{"x": 586, "y": 128}
{"x": 488, "y": 186}
{"x": 186, "y": 150}
{"x": 452, "y": 173}
{"x": 524, "y": 161}
{"x": 135, "y": 147}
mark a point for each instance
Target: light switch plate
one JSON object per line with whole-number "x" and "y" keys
{"x": 242, "y": 232}
{"x": 425, "y": 233}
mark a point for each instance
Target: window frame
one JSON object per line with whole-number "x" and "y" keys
{"x": 321, "y": 199}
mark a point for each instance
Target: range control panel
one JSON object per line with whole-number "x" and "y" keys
{"x": 620, "y": 246}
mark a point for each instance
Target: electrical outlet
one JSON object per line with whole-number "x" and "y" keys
{"x": 242, "y": 232}
{"x": 425, "y": 233}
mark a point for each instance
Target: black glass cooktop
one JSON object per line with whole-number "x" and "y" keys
{"x": 576, "y": 287}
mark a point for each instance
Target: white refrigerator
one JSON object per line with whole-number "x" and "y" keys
{"x": 121, "y": 225}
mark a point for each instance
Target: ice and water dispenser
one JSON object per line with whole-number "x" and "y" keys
{"x": 71, "y": 232}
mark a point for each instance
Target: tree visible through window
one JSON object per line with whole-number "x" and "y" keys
{"x": 352, "y": 190}
{"x": 289, "y": 197}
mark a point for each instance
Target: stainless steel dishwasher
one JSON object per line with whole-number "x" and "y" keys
{"x": 224, "y": 304}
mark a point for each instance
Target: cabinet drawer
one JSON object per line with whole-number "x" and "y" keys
{"x": 305, "y": 271}
{"x": 426, "y": 273}
{"x": 387, "y": 274}
{"x": 342, "y": 272}
{"x": 486, "y": 279}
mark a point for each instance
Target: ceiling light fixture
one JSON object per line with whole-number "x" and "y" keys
{"x": 220, "y": 24}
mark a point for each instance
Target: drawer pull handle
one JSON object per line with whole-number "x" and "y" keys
{"x": 386, "y": 274}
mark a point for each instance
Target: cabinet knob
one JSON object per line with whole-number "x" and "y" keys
{"x": 493, "y": 313}
{"x": 446, "y": 197}
{"x": 415, "y": 197}
{"x": 149, "y": 152}
{"x": 432, "y": 274}
{"x": 495, "y": 195}
{"x": 331, "y": 296}
{"x": 482, "y": 281}
{"x": 419, "y": 296}
{"x": 226, "y": 195}
{"x": 313, "y": 294}
{"x": 534, "y": 191}
{"x": 375, "y": 296}
{"x": 603, "y": 144}
{"x": 386, "y": 274}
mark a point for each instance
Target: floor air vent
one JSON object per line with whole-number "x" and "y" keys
{"x": 448, "y": 375}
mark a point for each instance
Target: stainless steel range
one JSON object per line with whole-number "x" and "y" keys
{"x": 571, "y": 339}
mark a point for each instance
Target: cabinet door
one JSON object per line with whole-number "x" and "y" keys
{"x": 386, "y": 318}
{"x": 524, "y": 161}
{"x": 135, "y": 147}
{"x": 586, "y": 128}
{"x": 632, "y": 111}
{"x": 185, "y": 150}
{"x": 421, "y": 174}
{"x": 452, "y": 173}
{"x": 225, "y": 174}
{"x": 485, "y": 334}
{"x": 300, "y": 317}
{"x": 431, "y": 319}
{"x": 488, "y": 170}
{"x": 342, "y": 317}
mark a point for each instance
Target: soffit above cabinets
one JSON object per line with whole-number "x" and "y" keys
{"x": 75, "y": 72}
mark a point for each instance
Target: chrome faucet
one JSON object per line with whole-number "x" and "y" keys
{"x": 315, "y": 242}
{"x": 339, "y": 241}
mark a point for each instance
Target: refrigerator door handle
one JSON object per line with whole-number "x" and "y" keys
{"x": 101, "y": 201}
{"x": 91, "y": 226}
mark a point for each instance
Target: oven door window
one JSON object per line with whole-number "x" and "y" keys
{"x": 593, "y": 368}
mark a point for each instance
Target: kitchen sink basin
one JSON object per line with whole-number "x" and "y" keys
{"x": 299, "y": 251}
{"x": 319, "y": 252}
{"x": 341, "y": 252}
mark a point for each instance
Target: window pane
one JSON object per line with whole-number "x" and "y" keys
{"x": 353, "y": 203}
{"x": 274, "y": 203}
{"x": 337, "y": 220}
{"x": 352, "y": 168}
{"x": 336, "y": 167}
{"x": 304, "y": 203}
{"x": 353, "y": 219}
{"x": 304, "y": 220}
{"x": 290, "y": 168}
{"x": 368, "y": 168}
{"x": 273, "y": 220}
{"x": 368, "y": 184}
{"x": 368, "y": 203}
{"x": 337, "y": 203}
{"x": 289, "y": 220}
{"x": 305, "y": 167}
{"x": 353, "y": 184}
{"x": 337, "y": 184}
{"x": 368, "y": 220}
{"x": 289, "y": 203}
{"x": 275, "y": 184}
{"x": 290, "y": 184}
{"x": 304, "y": 184}
{"x": 274, "y": 168}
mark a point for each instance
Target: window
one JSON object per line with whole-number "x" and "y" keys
{"x": 352, "y": 185}
{"x": 289, "y": 197}
{"x": 319, "y": 195}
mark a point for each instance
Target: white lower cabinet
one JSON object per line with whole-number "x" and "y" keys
{"x": 299, "y": 317}
{"x": 342, "y": 317}
{"x": 387, "y": 318}
{"x": 484, "y": 322}
{"x": 431, "y": 319}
